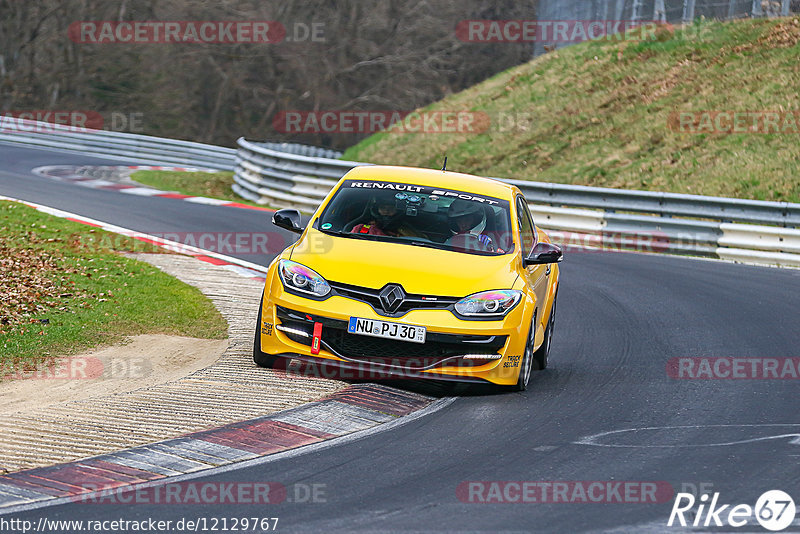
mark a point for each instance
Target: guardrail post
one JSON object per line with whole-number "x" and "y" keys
{"x": 620, "y": 5}
{"x": 731, "y": 8}
{"x": 688, "y": 11}
{"x": 660, "y": 11}
{"x": 636, "y": 11}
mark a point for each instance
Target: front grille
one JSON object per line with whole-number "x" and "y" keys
{"x": 368, "y": 347}
{"x": 437, "y": 347}
{"x": 411, "y": 302}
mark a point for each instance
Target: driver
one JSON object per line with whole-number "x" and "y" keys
{"x": 468, "y": 218}
{"x": 385, "y": 219}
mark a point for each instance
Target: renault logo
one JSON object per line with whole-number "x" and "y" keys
{"x": 392, "y": 296}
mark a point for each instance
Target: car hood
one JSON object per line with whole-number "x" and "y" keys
{"x": 420, "y": 270}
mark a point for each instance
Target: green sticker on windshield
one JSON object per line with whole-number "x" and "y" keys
{"x": 326, "y": 226}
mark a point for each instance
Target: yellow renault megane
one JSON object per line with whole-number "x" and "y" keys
{"x": 416, "y": 273}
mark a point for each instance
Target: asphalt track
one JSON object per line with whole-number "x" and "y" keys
{"x": 621, "y": 318}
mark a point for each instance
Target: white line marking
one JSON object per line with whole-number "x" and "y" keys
{"x": 142, "y": 191}
{"x": 592, "y": 440}
{"x": 206, "y": 200}
{"x": 242, "y": 271}
{"x": 95, "y": 183}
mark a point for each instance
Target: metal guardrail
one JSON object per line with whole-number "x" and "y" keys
{"x": 293, "y": 175}
{"x": 299, "y": 150}
{"x": 102, "y": 143}
{"x": 579, "y": 216}
{"x": 270, "y": 176}
{"x": 661, "y": 204}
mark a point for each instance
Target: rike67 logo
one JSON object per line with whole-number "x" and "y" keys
{"x": 774, "y": 510}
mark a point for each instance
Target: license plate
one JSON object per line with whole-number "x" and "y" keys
{"x": 397, "y": 331}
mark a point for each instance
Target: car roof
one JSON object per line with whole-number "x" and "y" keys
{"x": 431, "y": 177}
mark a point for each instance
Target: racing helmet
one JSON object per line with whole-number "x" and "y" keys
{"x": 471, "y": 212}
{"x": 384, "y": 210}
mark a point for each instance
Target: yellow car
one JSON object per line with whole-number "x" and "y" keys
{"x": 413, "y": 273}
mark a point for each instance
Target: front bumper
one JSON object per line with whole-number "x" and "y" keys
{"x": 493, "y": 349}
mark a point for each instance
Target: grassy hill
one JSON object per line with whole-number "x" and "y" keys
{"x": 604, "y": 114}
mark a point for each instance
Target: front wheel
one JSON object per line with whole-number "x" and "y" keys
{"x": 536, "y": 360}
{"x": 543, "y": 353}
{"x": 261, "y": 359}
{"x": 527, "y": 359}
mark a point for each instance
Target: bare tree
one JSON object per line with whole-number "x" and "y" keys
{"x": 376, "y": 55}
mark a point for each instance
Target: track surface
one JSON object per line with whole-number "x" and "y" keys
{"x": 621, "y": 317}
{"x": 144, "y": 214}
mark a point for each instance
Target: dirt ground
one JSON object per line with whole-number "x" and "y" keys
{"x": 142, "y": 361}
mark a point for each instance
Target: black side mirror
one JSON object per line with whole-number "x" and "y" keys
{"x": 544, "y": 253}
{"x": 288, "y": 219}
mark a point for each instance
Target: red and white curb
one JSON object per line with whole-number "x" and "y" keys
{"x": 357, "y": 409}
{"x": 68, "y": 173}
{"x": 240, "y": 267}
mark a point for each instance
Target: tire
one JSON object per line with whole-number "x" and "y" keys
{"x": 541, "y": 356}
{"x": 261, "y": 359}
{"x": 536, "y": 360}
{"x": 526, "y": 366}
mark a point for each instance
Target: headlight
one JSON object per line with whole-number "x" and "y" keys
{"x": 489, "y": 303}
{"x": 298, "y": 277}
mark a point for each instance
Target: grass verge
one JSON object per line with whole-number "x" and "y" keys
{"x": 65, "y": 287}
{"x": 202, "y": 184}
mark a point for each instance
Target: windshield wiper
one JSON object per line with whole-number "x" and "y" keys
{"x": 354, "y": 235}
{"x": 428, "y": 245}
{"x": 387, "y": 239}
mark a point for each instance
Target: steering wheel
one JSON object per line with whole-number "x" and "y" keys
{"x": 469, "y": 242}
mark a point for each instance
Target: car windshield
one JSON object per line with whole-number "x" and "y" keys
{"x": 419, "y": 216}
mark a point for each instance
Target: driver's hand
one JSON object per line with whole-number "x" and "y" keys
{"x": 487, "y": 241}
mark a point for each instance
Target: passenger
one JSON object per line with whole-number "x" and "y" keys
{"x": 385, "y": 220}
